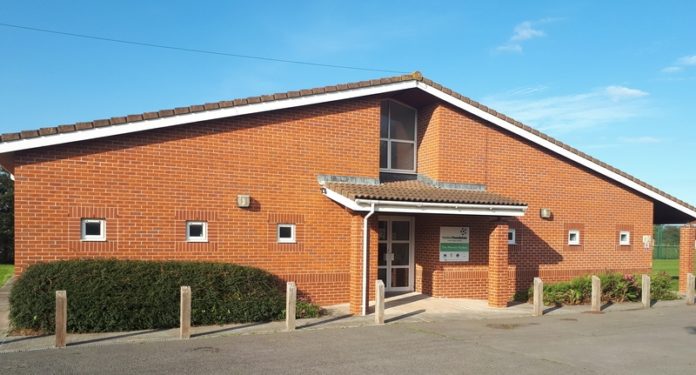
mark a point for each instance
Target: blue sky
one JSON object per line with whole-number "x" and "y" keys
{"x": 614, "y": 79}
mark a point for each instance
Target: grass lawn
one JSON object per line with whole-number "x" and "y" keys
{"x": 671, "y": 266}
{"x": 6, "y": 271}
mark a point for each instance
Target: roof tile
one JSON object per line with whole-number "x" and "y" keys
{"x": 83, "y": 125}
{"x": 47, "y": 131}
{"x": 101, "y": 123}
{"x": 417, "y": 191}
{"x": 150, "y": 115}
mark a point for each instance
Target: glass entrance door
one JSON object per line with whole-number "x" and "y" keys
{"x": 395, "y": 263}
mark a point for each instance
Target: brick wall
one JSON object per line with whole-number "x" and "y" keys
{"x": 147, "y": 185}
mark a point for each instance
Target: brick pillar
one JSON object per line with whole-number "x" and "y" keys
{"x": 498, "y": 278}
{"x": 355, "y": 301}
{"x": 356, "y": 239}
{"x": 687, "y": 236}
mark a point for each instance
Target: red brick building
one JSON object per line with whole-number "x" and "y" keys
{"x": 397, "y": 178}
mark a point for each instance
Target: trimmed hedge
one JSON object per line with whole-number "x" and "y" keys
{"x": 119, "y": 295}
{"x": 616, "y": 287}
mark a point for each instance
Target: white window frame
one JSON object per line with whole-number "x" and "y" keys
{"x": 512, "y": 241}
{"x": 389, "y": 141}
{"x": 204, "y": 234}
{"x": 293, "y": 233}
{"x": 577, "y": 237}
{"x": 628, "y": 238}
{"x": 102, "y": 229}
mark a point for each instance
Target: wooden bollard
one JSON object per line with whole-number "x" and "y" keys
{"x": 185, "y": 313}
{"x": 596, "y": 294}
{"x": 538, "y": 297}
{"x": 645, "y": 293}
{"x": 61, "y": 318}
{"x": 379, "y": 302}
{"x": 290, "y": 306}
{"x": 690, "y": 286}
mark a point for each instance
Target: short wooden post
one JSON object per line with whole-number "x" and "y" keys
{"x": 596, "y": 294}
{"x": 538, "y": 297}
{"x": 379, "y": 302}
{"x": 290, "y": 306}
{"x": 645, "y": 293}
{"x": 690, "y": 286}
{"x": 61, "y": 318}
{"x": 185, "y": 313}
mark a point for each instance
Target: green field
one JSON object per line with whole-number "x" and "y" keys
{"x": 6, "y": 271}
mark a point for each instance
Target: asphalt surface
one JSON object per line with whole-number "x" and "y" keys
{"x": 656, "y": 341}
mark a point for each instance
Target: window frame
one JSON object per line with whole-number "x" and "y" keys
{"x": 512, "y": 241}
{"x": 628, "y": 238}
{"x": 92, "y": 238}
{"x": 204, "y": 234}
{"x": 293, "y": 233}
{"x": 389, "y": 140}
{"x": 577, "y": 240}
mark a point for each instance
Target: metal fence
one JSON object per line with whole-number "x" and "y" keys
{"x": 666, "y": 251}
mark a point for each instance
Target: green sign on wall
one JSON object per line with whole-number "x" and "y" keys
{"x": 454, "y": 244}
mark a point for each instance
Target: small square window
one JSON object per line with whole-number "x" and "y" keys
{"x": 93, "y": 230}
{"x": 512, "y": 237}
{"x": 286, "y": 233}
{"x": 196, "y": 231}
{"x": 574, "y": 237}
{"x": 624, "y": 238}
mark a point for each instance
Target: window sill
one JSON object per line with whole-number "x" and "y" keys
{"x": 93, "y": 240}
{"x": 399, "y": 171}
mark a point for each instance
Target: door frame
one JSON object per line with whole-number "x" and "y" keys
{"x": 411, "y": 252}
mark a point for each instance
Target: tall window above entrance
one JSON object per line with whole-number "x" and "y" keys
{"x": 397, "y": 138}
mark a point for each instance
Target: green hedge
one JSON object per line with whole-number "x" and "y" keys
{"x": 117, "y": 295}
{"x": 616, "y": 287}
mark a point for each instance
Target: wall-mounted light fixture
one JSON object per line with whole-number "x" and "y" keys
{"x": 545, "y": 213}
{"x": 243, "y": 201}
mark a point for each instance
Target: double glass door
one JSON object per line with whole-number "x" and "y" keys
{"x": 395, "y": 263}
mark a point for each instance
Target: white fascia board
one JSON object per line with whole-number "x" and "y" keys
{"x": 366, "y": 205}
{"x": 108, "y": 131}
{"x": 553, "y": 147}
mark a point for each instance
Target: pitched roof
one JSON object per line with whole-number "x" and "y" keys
{"x": 417, "y": 191}
{"x": 164, "y": 113}
{"x": 10, "y": 142}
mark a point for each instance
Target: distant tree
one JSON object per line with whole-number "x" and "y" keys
{"x": 6, "y": 218}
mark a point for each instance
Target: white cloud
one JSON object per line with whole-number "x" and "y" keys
{"x": 641, "y": 140}
{"x": 672, "y": 69}
{"x": 564, "y": 113}
{"x": 509, "y": 48}
{"x": 680, "y": 64}
{"x": 620, "y": 92}
{"x": 687, "y": 60}
{"x": 522, "y": 32}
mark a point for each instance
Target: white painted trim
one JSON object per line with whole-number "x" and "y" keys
{"x": 365, "y": 205}
{"x": 108, "y": 131}
{"x": 293, "y": 233}
{"x": 628, "y": 238}
{"x": 204, "y": 233}
{"x": 92, "y": 238}
{"x": 553, "y": 147}
{"x": 411, "y": 252}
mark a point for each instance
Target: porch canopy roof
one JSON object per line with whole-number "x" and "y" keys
{"x": 420, "y": 197}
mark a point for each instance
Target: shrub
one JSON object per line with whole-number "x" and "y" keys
{"x": 616, "y": 287}
{"x": 118, "y": 295}
{"x": 660, "y": 286}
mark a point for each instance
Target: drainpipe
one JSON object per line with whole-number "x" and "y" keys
{"x": 366, "y": 237}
